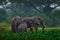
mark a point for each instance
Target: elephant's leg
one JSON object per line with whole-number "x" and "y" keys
{"x": 30, "y": 25}
{"x": 36, "y": 27}
{"x": 31, "y": 28}
{"x": 43, "y": 26}
{"x": 16, "y": 28}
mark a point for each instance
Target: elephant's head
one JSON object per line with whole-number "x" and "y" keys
{"x": 15, "y": 22}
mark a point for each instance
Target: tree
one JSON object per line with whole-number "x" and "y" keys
{"x": 1, "y": 1}
{"x": 40, "y": 5}
{"x": 56, "y": 17}
{"x": 2, "y": 15}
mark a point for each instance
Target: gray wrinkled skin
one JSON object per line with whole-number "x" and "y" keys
{"x": 15, "y": 22}
{"x": 34, "y": 22}
{"x": 38, "y": 21}
{"x": 20, "y": 24}
{"x": 29, "y": 22}
{"x": 22, "y": 27}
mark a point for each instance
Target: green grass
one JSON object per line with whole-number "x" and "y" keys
{"x": 35, "y": 35}
{"x": 7, "y": 26}
{"x": 50, "y": 33}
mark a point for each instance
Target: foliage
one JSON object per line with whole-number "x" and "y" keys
{"x": 39, "y": 3}
{"x": 3, "y": 14}
{"x": 56, "y": 17}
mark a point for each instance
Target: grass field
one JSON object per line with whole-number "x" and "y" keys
{"x": 53, "y": 34}
{"x": 7, "y": 26}
{"x": 50, "y": 33}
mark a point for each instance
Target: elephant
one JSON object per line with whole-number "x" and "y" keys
{"x": 34, "y": 22}
{"x": 15, "y": 22}
{"x": 37, "y": 21}
{"x": 19, "y": 24}
{"x": 29, "y": 22}
{"x": 22, "y": 27}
